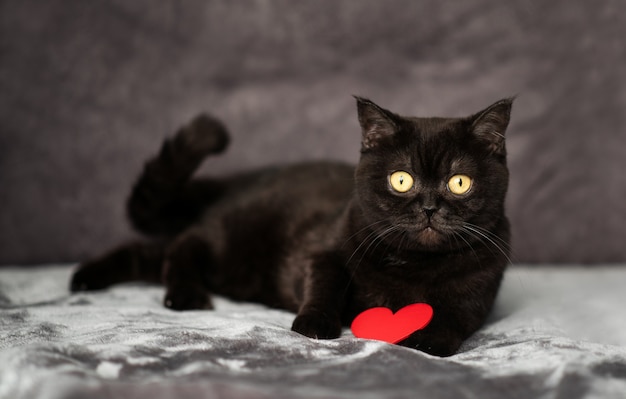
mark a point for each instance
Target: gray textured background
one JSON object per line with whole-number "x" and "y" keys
{"x": 88, "y": 89}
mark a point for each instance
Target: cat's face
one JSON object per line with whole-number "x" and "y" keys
{"x": 432, "y": 184}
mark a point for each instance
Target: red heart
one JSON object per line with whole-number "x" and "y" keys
{"x": 383, "y": 325}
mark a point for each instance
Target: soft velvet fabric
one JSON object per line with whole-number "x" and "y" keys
{"x": 555, "y": 333}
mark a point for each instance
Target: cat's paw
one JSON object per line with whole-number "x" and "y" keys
{"x": 187, "y": 298}
{"x": 442, "y": 346}
{"x": 88, "y": 279}
{"x": 317, "y": 325}
{"x": 204, "y": 135}
{"x": 79, "y": 282}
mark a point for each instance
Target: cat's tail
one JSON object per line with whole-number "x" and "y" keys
{"x": 164, "y": 200}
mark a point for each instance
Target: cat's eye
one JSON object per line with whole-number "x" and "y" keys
{"x": 459, "y": 184}
{"x": 401, "y": 181}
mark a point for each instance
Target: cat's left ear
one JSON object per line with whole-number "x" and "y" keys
{"x": 490, "y": 124}
{"x": 377, "y": 124}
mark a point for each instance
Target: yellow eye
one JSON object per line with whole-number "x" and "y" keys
{"x": 459, "y": 184}
{"x": 401, "y": 181}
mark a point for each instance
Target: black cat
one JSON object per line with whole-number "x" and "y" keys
{"x": 421, "y": 219}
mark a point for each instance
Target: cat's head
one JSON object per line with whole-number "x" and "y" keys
{"x": 432, "y": 183}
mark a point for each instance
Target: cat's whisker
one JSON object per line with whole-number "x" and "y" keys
{"x": 502, "y": 242}
{"x": 404, "y": 236}
{"x": 489, "y": 233}
{"x": 469, "y": 244}
{"x": 479, "y": 239}
{"x": 391, "y": 241}
{"x": 362, "y": 230}
{"x": 451, "y": 236}
{"x": 375, "y": 236}
{"x": 479, "y": 235}
{"x": 373, "y": 233}
{"x": 378, "y": 240}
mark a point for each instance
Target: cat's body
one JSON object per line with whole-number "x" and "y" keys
{"x": 420, "y": 219}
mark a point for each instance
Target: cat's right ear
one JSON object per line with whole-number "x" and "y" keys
{"x": 377, "y": 124}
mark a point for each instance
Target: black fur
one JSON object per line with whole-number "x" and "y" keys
{"x": 325, "y": 240}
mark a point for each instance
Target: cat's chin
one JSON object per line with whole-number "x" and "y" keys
{"x": 430, "y": 237}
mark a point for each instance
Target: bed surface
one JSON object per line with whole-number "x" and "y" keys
{"x": 554, "y": 333}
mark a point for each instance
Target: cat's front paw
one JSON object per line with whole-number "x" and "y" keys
{"x": 187, "y": 298}
{"x": 88, "y": 278}
{"x": 443, "y": 346}
{"x": 317, "y": 325}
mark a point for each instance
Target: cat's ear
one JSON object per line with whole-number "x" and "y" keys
{"x": 490, "y": 124}
{"x": 377, "y": 124}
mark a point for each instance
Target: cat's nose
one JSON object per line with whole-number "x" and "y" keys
{"x": 429, "y": 211}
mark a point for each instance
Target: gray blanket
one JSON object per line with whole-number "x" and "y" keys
{"x": 555, "y": 333}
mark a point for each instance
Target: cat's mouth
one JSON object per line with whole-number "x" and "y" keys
{"x": 427, "y": 235}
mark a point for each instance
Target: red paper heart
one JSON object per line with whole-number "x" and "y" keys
{"x": 383, "y": 325}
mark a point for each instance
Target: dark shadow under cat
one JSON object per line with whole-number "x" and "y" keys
{"x": 420, "y": 219}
